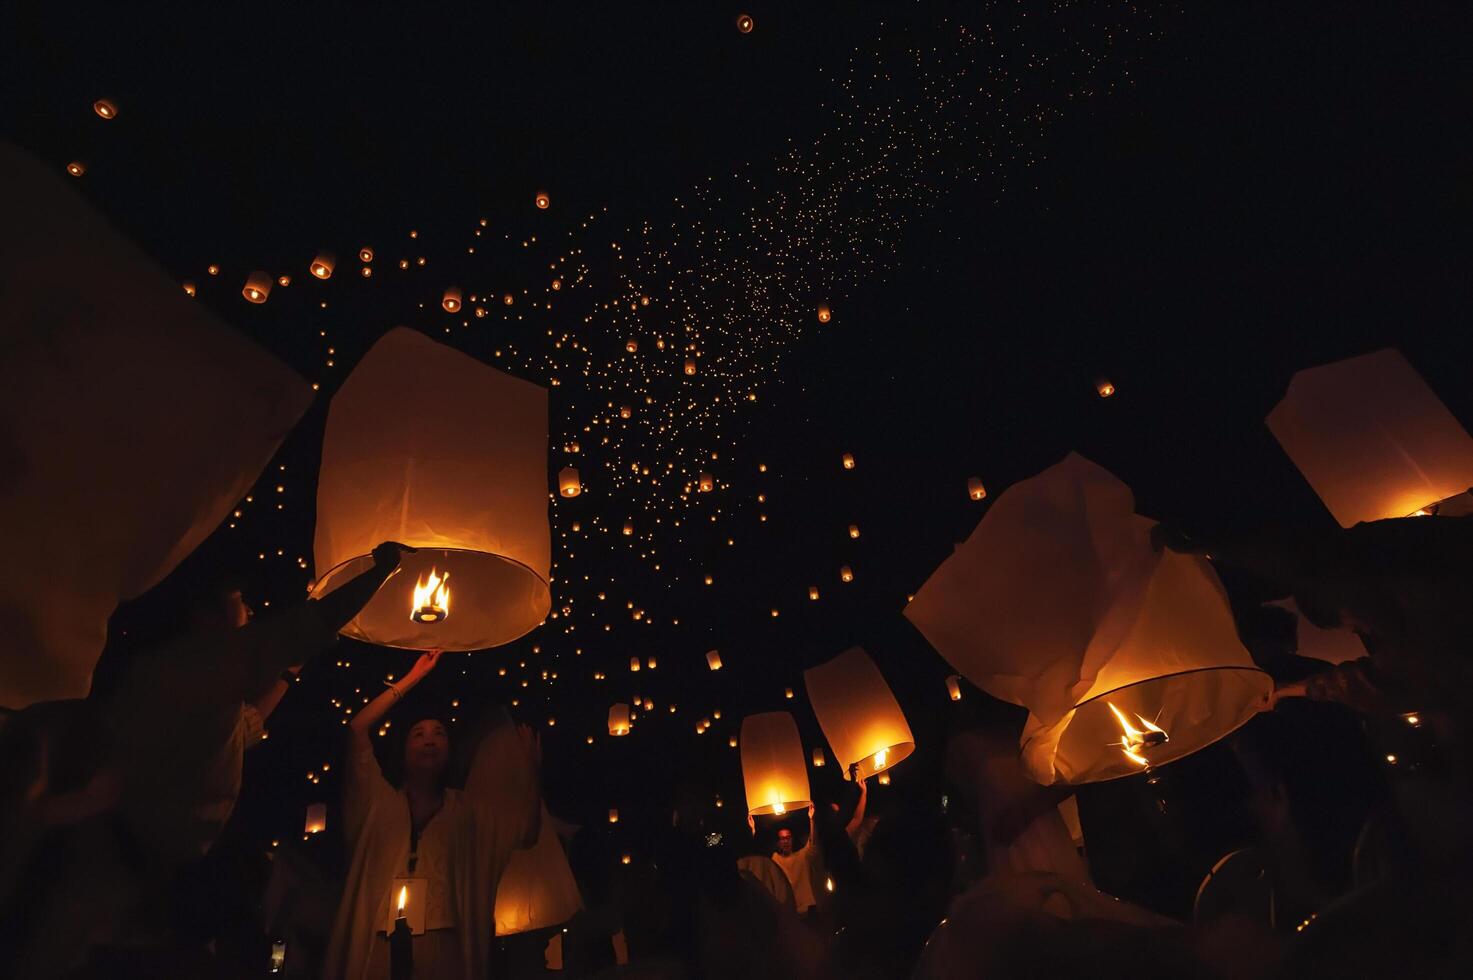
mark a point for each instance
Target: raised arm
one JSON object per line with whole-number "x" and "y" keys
{"x": 852, "y": 828}
{"x": 373, "y": 712}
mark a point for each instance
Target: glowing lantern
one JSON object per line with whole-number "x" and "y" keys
{"x": 567, "y": 482}
{"x": 706, "y": 483}
{"x": 854, "y": 530}
{"x": 619, "y": 719}
{"x": 451, "y": 300}
{"x": 537, "y": 889}
{"x": 542, "y": 200}
{"x": 975, "y": 489}
{"x": 1104, "y": 388}
{"x": 824, "y": 316}
{"x": 745, "y": 24}
{"x": 283, "y": 280}
{"x": 212, "y": 269}
{"x": 631, "y": 345}
{"x": 818, "y": 759}
{"x": 773, "y": 773}
{"x": 628, "y": 528}
{"x": 323, "y": 265}
{"x": 813, "y": 592}
{"x": 625, "y": 411}
{"x": 1372, "y": 439}
{"x": 884, "y": 779}
{"x": 430, "y": 602}
{"x": 846, "y": 574}
{"x": 366, "y": 272}
{"x": 713, "y": 660}
{"x": 453, "y": 466}
{"x": 690, "y": 365}
{"x": 634, "y": 664}
{"x": 257, "y": 287}
{"x": 613, "y": 815}
{"x": 650, "y": 662}
{"x": 105, "y": 108}
{"x": 848, "y": 460}
{"x": 76, "y": 168}
{"x": 316, "y": 821}
{"x": 860, "y": 717}
{"x": 1057, "y": 602}
{"x": 954, "y": 687}
{"x": 365, "y": 254}
{"x": 189, "y": 288}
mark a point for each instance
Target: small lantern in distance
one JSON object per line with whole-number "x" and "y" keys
{"x": 846, "y": 574}
{"x": 257, "y": 287}
{"x": 190, "y": 289}
{"x": 76, "y": 168}
{"x": 854, "y": 530}
{"x": 542, "y": 200}
{"x": 631, "y": 345}
{"x": 619, "y": 719}
{"x": 316, "y": 821}
{"x": 707, "y": 482}
{"x": 713, "y": 659}
{"x": 568, "y": 483}
{"x": 634, "y": 665}
{"x": 451, "y": 300}
{"x": 365, "y": 254}
{"x": 954, "y": 687}
{"x": 813, "y": 592}
{"x": 1104, "y": 388}
{"x": 690, "y": 365}
{"x": 625, "y": 411}
{"x": 818, "y": 759}
{"x": 975, "y": 489}
{"x": 628, "y": 528}
{"x": 105, "y": 108}
{"x": 323, "y": 265}
{"x": 613, "y": 815}
{"x": 745, "y": 23}
{"x": 824, "y": 314}
{"x": 848, "y": 460}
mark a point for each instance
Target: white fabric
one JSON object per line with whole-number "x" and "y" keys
{"x": 799, "y": 867}
{"x": 537, "y": 889}
{"x": 858, "y": 713}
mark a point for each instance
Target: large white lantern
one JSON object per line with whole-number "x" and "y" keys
{"x": 431, "y": 448}
{"x": 1125, "y": 657}
{"x": 1372, "y": 439}
{"x": 537, "y": 889}
{"x": 859, "y": 715}
{"x": 773, "y": 773}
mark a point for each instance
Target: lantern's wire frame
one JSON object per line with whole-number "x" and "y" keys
{"x": 1151, "y": 680}
{"x": 318, "y": 592}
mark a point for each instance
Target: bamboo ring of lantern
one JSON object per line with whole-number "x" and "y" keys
{"x": 365, "y": 254}
{"x": 773, "y": 771}
{"x": 453, "y": 465}
{"x": 859, "y": 715}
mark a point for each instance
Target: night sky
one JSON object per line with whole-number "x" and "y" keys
{"x": 1191, "y": 203}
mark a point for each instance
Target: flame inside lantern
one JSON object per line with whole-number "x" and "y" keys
{"x": 431, "y": 602}
{"x": 1134, "y": 741}
{"x": 403, "y": 898}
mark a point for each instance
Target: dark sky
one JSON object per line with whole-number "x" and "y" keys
{"x": 1281, "y": 185}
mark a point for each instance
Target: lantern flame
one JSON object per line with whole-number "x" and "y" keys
{"x": 778, "y": 808}
{"x": 880, "y": 758}
{"x": 1134, "y": 741}
{"x": 431, "y": 602}
{"x": 403, "y": 898}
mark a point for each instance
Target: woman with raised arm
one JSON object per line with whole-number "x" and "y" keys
{"x": 447, "y": 847}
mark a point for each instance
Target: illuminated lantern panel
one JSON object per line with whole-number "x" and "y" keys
{"x": 773, "y": 773}
{"x": 508, "y": 299}
{"x": 631, "y": 346}
{"x": 316, "y": 821}
{"x": 613, "y": 815}
{"x": 628, "y": 528}
{"x": 625, "y": 411}
{"x": 975, "y": 489}
{"x": 954, "y": 687}
{"x": 859, "y": 715}
{"x": 105, "y": 108}
{"x": 824, "y": 315}
{"x": 848, "y": 460}
{"x": 257, "y": 287}
{"x": 854, "y": 530}
{"x": 713, "y": 660}
{"x": 634, "y": 664}
{"x": 619, "y": 719}
{"x": 283, "y": 280}
{"x": 451, "y": 300}
{"x": 537, "y": 889}
{"x": 1373, "y": 440}
{"x": 323, "y": 265}
{"x": 453, "y": 465}
{"x": 813, "y": 592}
{"x": 190, "y": 289}
{"x": 567, "y": 482}
{"x": 690, "y": 365}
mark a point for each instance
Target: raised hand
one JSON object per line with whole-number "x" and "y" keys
{"x": 388, "y": 555}
{"x": 423, "y": 666}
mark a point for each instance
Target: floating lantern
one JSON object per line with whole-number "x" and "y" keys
{"x": 813, "y": 592}
{"x": 365, "y": 254}
{"x": 105, "y": 108}
{"x": 824, "y": 316}
{"x": 1372, "y": 439}
{"x": 788, "y": 693}
{"x": 848, "y": 460}
{"x": 257, "y": 287}
{"x": 625, "y": 858}
{"x": 631, "y": 345}
{"x": 76, "y": 168}
{"x": 650, "y": 662}
{"x": 366, "y": 272}
{"x": 634, "y": 665}
{"x": 189, "y": 288}
{"x": 954, "y": 687}
{"x": 707, "y": 483}
{"x": 542, "y": 200}
{"x": 745, "y": 23}
{"x": 625, "y": 411}
{"x": 567, "y": 482}
{"x": 628, "y": 528}
{"x": 846, "y": 574}
{"x": 818, "y": 759}
{"x": 283, "y": 280}
{"x": 773, "y": 773}
{"x": 212, "y": 269}
{"x": 619, "y": 719}
{"x": 884, "y": 779}
{"x": 430, "y": 602}
{"x": 451, "y": 300}
{"x": 316, "y": 821}
{"x": 1104, "y": 388}
{"x": 854, "y": 530}
{"x": 690, "y": 365}
{"x": 323, "y": 265}
{"x": 713, "y": 660}
{"x": 557, "y": 284}
{"x": 453, "y": 465}
{"x": 1057, "y": 602}
{"x": 975, "y": 489}
{"x": 613, "y": 815}
{"x": 859, "y": 715}
{"x": 537, "y": 889}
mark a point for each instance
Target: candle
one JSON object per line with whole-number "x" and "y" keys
{"x": 401, "y": 942}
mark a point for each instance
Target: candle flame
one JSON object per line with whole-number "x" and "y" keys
{"x": 403, "y": 897}
{"x": 880, "y": 758}
{"x": 1134, "y": 741}
{"x": 778, "y": 808}
{"x": 431, "y": 601}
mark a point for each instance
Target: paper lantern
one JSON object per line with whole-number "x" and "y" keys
{"x": 613, "y": 814}
{"x": 365, "y": 254}
{"x": 76, "y": 168}
{"x": 1104, "y": 388}
{"x": 257, "y": 287}
{"x": 283, "y": 280}
{"x": 323, "y": 265}
{"x": 316, "y": 821}
{"x": 813, "y": 592}
{"x": 212, "y": 269}
{"x": 954, "y": 687}
{"x": 619, "y": 719}
{"x": 628, "y": 528}
{"x": 634, "y": 664}
{"x": 134, "y": 420}
{"x": 745, "y": 24}
{"x": 824, "y": 315}
{"x": 650, "y": 662}
{"x": 975, "y": 489}
{"x": 1334, "y": 646}
{"x": 567, "y": 482}
{"x": 818, "y": 759}
{"x": 366, "y": 272}
{"x": 859, "y": 716}
{"x": 1372, "y": 439}
{"x": 454, "y": 464}
{"x": 848, "y": 460}
{"x": 773, "y": 773}
{"x": 451, "y": 300}
{"x": 1057, "y": 602}
{"x": 846, "y": 574}
{"x": 631, "y": 345}
{"x": 713, "y": 659}
{"x": 189, "y": 288}
{"x": 542, "y": 200}
{"x": 625, "y": 411}
{"x": 537, "y": 889}
{"x": 690, "y": 365}
{"x": 854, "y": 530}
{"x": 707, "y": 482}
{"x": 105, "y": 108}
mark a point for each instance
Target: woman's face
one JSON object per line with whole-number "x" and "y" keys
{"x": 428, "y": 747}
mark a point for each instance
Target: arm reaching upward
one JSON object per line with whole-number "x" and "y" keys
{"x": 852, "y": 828}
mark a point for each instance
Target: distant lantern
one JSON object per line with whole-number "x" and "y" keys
{"x": 1141, "y": 666}
{"x": 848, "y": 460}
{"x": 854, "y": 530}
{"x": 745, "y": 23}
{"x": 619, "y": 719}
{"x": 818, "y": 759}
{"x": 1373, "y": 439}
{"x": 884, "y": 779}
{"x": 824, "y": 315}
{"x": 625, "y": 411}
{"x": 954, "y": 687}
{"x": 706, "y": 483}
{"x": 634, "y": 664}
{"x": 773, "y": 773}
{"x": 567, "y": 482}
{"x": 507, "y": 299}
{"x": 631, "y": 345}
{"x": 613, "y": 815}
{"x": 190, "y": 289}
{"x": 859, "y": 715}
{"x": 474, "y": 503}
{"x": 212, "y": 269}
{"x": 542, "y": 200}
{"x": 732, "y": 741}
{"x": 557, "y": 284}
{"x": 105, "y": 108}
{"x": 316, "y": 821}
{"x": 690, "y": 365}
{"x": 628, "y": 528}
{"x": 366, "y": 272}
{"x": 365, "y": 254}
{"x": 451, "y": 300}
{"x": 650, "y": 662}
{"x": 625, "y": 858}
{"x": 975, "y": 489}
{"x": 283, "y": 280}
{"x": 257, "y": 287}
{"x": 1104, "y": 388}
{"x": 846, "y": 574}
{"x": 788, "y": 693}
{"x": 713, "y": 659}
{"x": 76, "y": 168}
{"x": 813, "y": 592}
{"x": 323, "y": 265}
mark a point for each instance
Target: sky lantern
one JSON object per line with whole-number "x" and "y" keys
{"x": 365, "y": 254}
{"x": 848, "y": 460}
{"x": 745, "y": 23}
{"x": 1372, "y": 439}
{"x": 707, "y": 483}
{"x": 453, "y": 465}
{"x": 854, "y": 530}
{"x": 542, "y": 200}
{"x": 818, "y": 758}
{"x": 713, "y": 659}
{"x": 813, "y": 592}
{"x": 634, "y": 664}
{"x": 824, "y": 314}
{"x": 625, "y": 411}
{"x": 567, "y": 482}
{"x": 316, "y": 821}
{"x": 859, "y": 715}
{"x": 257, "y": 287}
{"x": 1104, "y": 388}
{"x": 628, "y": 528}
{"x": 846, "y": 574}
{"x": 690, "y": 365}
{"x": 451, "y": 300}
{"x": 773, "y": 772}
{"x": 537, "y": 889}
{"x": 975, "y": 489}
{"x": 954, "y": 687}
{"x": 190, "y": 289}
{"x": 105, "y": 108}
{"x": 631, "y": 345}
{"x": 508, "y": 299}
{"x": 619, "y": 719}
{"x": 613, "y": 814}
{"x": 1125, "y": 657}
{"x": 76, "y": 168}
{"x": 323, "y": 265}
